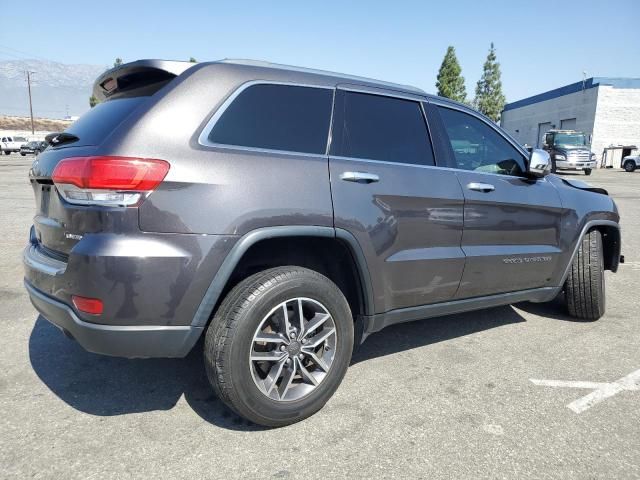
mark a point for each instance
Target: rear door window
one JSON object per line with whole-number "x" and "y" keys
{"x": 277, "y": 117}
{"x": 377, "y": 127}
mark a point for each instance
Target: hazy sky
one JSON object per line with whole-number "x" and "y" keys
{"x": 540, "y": 45}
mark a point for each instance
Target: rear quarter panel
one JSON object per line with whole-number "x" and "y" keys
{"x": 212, "y": 190}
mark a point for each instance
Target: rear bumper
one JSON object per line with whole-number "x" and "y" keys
{"x": 122, "y": 341}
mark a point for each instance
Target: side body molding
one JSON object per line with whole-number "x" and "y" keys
{"x": 240, "y": 248}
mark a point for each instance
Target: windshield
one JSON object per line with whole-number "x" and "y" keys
{"x": 570, "y": 140}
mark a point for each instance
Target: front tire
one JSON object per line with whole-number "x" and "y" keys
{"x": 6, "y": 152}
{"x": 587, "y": 171}
{"x": 629, "y": 166}
{"x": 272, "y": 369}
{"x": 585, "y": 287}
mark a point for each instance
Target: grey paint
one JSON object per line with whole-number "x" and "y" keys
{"x": 121, "y": 341}
{"x": 377, "y": 322}
{"x": 409, "y": 224}
{"x": 520, "y": 218}
{"x": 423, "y": 243}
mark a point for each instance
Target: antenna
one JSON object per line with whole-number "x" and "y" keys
{"x": 584, "y": 79}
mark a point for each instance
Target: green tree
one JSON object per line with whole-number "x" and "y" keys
{"x": 450, "y": 82}
{"x": 489, "y": 97}
{"x": 193, "y": 60}
{"x": 93, "y": 101}
{"x": 118, "y": 62}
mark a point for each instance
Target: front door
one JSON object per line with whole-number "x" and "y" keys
{"x": 511, "y": 223}
{"x": 404, "y": 212}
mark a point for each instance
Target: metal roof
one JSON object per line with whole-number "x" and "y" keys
{"x": 573, "y": 88}
{"x": 263, "y": 64}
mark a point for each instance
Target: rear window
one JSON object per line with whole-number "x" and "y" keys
{"x": 92, "y": 127}
{"x": 376, "y": 127}
{"x": 277, "y": 117}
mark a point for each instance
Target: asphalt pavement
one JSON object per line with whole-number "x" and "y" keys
{"x": 512, "y": 392}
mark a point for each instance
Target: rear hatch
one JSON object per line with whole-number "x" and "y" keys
{"x": 61, "y": 219}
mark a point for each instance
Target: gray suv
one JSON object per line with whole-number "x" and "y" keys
{"x": 285, "y": 214}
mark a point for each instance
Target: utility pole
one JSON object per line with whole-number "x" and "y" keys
{"x": 30, "y": 102}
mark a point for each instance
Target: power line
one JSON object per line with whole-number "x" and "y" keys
{"x": 22, "y": 52}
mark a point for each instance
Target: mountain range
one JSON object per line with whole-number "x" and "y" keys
{"x": 58, "y": 90}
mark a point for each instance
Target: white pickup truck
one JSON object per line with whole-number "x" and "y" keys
{"x": 631, "y": 162}
{"x": 11, "y": 144}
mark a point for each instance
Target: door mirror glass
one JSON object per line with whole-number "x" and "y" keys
{"x": 539, "y": 163}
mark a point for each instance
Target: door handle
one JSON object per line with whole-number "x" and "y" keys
{"x": 359, "y": 177}
{"x": 481, "y": 187}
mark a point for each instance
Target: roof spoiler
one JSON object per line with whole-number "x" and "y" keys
{"x": 147, "y": 75}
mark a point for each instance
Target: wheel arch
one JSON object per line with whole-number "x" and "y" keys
{"x": 611, "y": 244}
{"x": 229, "y": 274}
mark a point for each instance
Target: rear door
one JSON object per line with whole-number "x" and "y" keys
{"x": 404, "y": 212}
{"x": 511, "y": 223}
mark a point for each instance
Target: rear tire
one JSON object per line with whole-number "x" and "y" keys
{"x": 629, "y": 166}
{"x": 7, "y": 152}
{"x": 587, "y": 171}
{"x": 257, "y": 390}
{"x": 585, "y": 287}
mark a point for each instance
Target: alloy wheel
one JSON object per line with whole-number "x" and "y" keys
{"x": 293, "y": 349}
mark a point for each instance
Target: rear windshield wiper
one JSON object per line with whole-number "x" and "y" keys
{"x": 56, "y": 139}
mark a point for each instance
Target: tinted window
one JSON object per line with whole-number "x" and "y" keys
{"x": 95, "y": 125}
{"x": 476, "y": 146}
{"x": 380, "y": 128}
{"x": 277, "y": 117}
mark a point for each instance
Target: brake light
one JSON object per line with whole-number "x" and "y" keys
{"x": 108, "y": 180}
{"x": 88, "y": 305}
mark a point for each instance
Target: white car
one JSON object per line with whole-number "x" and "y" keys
{"x": 630, "y": 162}
{"x": 12, "y": 144}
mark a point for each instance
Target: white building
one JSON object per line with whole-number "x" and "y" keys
{"x": 608, "y": 109}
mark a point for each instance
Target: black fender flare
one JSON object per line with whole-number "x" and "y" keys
{"x": 589, "y": 226}
{"x": 229, "y": 264}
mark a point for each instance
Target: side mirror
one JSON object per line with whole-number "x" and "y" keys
{"x": 539, "y": 163}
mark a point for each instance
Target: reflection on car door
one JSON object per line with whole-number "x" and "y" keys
{"x": 405, "y": 213}
{"x": 511, "y": 223}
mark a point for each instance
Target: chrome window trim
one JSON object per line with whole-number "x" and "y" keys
{"x": 451, "y": 169}
{"x": 203, "y": 138}
{"x": 240, "y": 149}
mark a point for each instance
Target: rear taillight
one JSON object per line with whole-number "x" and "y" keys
{"x": 93, "y": 306}
{"x": 111, "y": 181}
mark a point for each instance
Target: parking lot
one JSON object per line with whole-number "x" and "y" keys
{"x": 486, "y": 394}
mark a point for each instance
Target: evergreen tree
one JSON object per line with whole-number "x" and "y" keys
{"x": 118, "y": 62}
{"x": 93, "y": 101}
{"x": 489, "y": 97}
{"x": 193, "y": 60}
{"x": 450, "y": 83}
